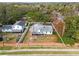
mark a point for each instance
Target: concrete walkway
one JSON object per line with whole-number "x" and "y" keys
{"x": 38, "y": 50}
{"x": 23, "y": 35}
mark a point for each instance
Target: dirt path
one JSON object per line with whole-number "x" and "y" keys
{"x": 33, "y": 44}
{"x": 46, "y": 44}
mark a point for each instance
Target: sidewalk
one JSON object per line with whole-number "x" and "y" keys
{"x": 38, "y": 50}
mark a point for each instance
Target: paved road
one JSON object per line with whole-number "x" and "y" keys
{"x": 37, "y": 50}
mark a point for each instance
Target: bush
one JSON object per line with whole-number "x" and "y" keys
{"x": 7, "y": 48}
{"x": 37, "y": 16}
{"x": 68, "y": 40}
{"x": 76, "y": 36}
{"x": 72, "y": 27}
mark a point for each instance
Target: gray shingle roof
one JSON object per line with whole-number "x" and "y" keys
{"x": 46, "y": 28}
{"x": 21, "y": 23}
{"x": 43, "y": 28}
{"x": 7, "y": 27}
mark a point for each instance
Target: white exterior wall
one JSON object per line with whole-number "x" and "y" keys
{"x": 17, "y": 27}
{"x": 7, "y": 30}
{"x": 47, "y": 32}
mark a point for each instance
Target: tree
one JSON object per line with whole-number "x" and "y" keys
{"x": 37, "y": 16}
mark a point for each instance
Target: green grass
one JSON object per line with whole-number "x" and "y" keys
{"x": 67, "y": 40}
{"x": 7, "y": 48}
{"x": 33, "y": 47}
{"x": 41, "y": 47}
{"x": 37, "y": 47}
{"x": 34, "y": 52}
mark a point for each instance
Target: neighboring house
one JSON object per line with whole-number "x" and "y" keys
{"x": 41, "y": 29}
{"x": 17, "y": 27}
{"x": 7, "y": 28}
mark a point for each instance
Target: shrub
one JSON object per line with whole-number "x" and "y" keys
{"x": 76, "y": 36}
{"x": 68, "y": 40}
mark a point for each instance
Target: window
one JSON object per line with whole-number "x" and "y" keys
{"x": 38, "y": 30}
{"x": 17, "y": 26}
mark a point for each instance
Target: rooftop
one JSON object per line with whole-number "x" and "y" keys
{"x": 7, "y": 27}
{"x": 40, "y": 28}
{"x": 21, "y": 23}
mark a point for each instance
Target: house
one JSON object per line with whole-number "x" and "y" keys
{"x": 19, "y": 26}
{"x": 7, "y": 28}
{"x": 38, "y": 29}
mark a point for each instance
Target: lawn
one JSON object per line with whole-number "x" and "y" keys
{"x": 34, "y": 47}
{"x": 40, "y": 38}
{"x": 27, "y": 47}
{"x": 11, "y": 37}
{"x": 46, "y": 38}
{"x": 40, "y": 53}
{"x": 7, "y": 48}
